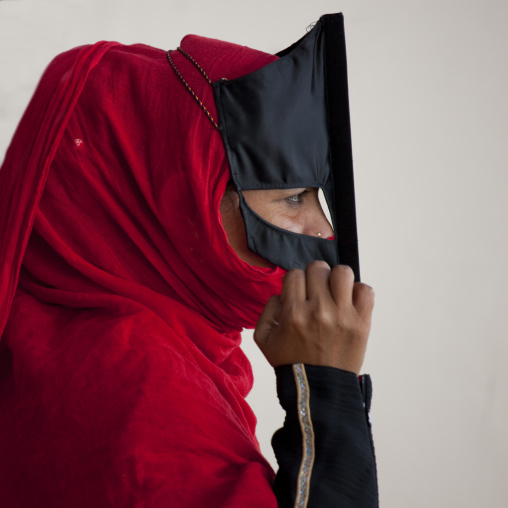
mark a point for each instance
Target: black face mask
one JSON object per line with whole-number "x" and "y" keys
{"x": 287, "y": 125}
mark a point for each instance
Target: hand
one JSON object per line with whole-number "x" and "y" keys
{"x": 322, "y": 317}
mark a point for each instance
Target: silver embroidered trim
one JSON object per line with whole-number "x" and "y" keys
{"x": 303, "y": 393}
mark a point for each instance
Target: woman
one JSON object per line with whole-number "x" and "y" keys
{"x": 126, "y": 279}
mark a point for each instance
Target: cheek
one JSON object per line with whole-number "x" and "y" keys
{"x": 293, "y": 221}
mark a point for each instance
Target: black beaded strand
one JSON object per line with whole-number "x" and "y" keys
{"x": 177, "y": 72}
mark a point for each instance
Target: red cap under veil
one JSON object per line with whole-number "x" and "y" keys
{"x": 121, "y": 379}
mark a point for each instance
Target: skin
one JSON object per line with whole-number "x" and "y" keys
{"x": 321, "y": 317}
{"x": 297, "y": 210}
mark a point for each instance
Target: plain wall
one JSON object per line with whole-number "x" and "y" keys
{"x": 428, "y": 83}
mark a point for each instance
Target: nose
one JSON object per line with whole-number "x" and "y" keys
{"x": 323, "y": 228}
{"x": 317, "y": 224}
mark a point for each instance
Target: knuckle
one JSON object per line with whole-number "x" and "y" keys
{"x": 365, "y": 293}
{"x": 345, "y": 327}
{"x": 323, "y": 317}
{"x": 295, "y": 316}
{"x": 344, "y": 270}
{"x": 274, "y": 300}
{"x": 294, "y": 274}
{"x": 349, "y": 324}
{"x": 365, "y": 287}
{"x": 318, "y": 265}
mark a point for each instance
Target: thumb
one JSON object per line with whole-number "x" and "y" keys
{"x": 267, "y": 321}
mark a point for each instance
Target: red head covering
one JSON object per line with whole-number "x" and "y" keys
{"x": 121, "y": 379}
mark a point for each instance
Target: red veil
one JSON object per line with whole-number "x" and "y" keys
{"x": 121, "y": 378}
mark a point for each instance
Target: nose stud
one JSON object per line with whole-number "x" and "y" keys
{"x": 318, "y": 234}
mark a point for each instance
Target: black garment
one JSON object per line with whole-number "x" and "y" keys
{"x": 327, "y": 429}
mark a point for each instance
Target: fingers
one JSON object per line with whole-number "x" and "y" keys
{"x": 294, "y": 286}
{"x": 267, "y": 320}
{"x": 363, "y": 299}
{"x": 342, "y": 280}
{"x": 322, "y": 318}
{"x": 317, "y": 279}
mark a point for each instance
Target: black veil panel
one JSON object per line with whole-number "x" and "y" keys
{"x": 287, "y": 125}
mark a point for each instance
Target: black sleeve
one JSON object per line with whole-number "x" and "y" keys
{"x": 324, "y": 450}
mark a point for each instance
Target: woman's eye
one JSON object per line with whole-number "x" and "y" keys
{"x": 297, "y": 199}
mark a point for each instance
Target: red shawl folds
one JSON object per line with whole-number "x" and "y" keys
{"x": 121, "y": 378}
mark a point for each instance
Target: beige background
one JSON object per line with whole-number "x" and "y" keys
{"x": 428, "y": 85}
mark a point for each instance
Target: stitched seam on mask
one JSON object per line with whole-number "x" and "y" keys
{"x": 308, "y": 445}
